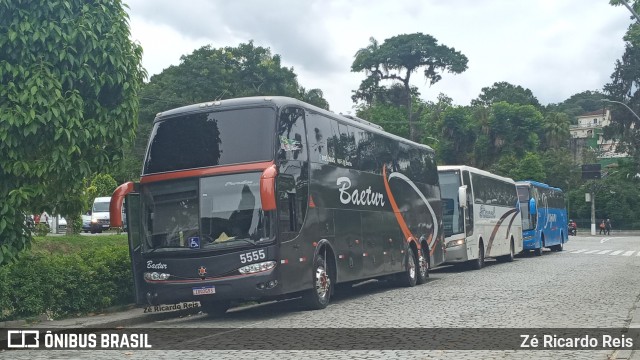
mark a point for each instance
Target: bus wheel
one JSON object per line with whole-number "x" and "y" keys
{"x": 479, "y": 262}
{"x": 559, "y": 247}
{"x": 423, "y": 266}
{"x": 538, "y": 251}
{"x": 409, "y": 277}
{"x": 318, "y": 297}
{"x": 509, "y": 257}
{"x": 215, "y": 308}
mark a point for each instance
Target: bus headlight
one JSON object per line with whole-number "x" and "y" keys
{"x": 156, "y": 276}
{"x": 259, "y": 267}
{"x": 455, "y": 243}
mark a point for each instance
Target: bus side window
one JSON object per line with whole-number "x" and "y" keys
{"x": 319, "y": 127}
{"x": 293, "y": 176}
{"x": 292, "y": 135}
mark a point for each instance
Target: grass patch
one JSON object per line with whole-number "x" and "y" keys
{"x": 68, "y": 244}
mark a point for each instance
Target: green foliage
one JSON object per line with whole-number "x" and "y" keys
{"x": 617, "y": 197}
{"x": 504, "y": 91}
{"x": 625, "y": 88}
{"x": 207, "y": 74}
{"x": 578, "y": 104}
{"x": 69, "y": 81}
{"x": 62, "y": 284}
{"x": 76, "y": 224}
{"x": 529, "y": 167}
{"x": 393, "y": 119}
{"x": 555, "y": 128}
{"x": 400, "y": 56}
{"x": 41, "y": 229}
{"x": 456, "y": 136}
{"x": 101, "y": 185}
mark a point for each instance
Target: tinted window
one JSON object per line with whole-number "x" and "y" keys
{"x": 210, "y": 139}
{"x": 491, "y": 191}
{"x": 292, "y": 135}
{"x": 319, "y": 134}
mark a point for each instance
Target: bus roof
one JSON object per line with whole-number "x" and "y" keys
{"x": 278, "y": 102}
{"x": 537, "y": 184}
{"x": 474, "y": 170}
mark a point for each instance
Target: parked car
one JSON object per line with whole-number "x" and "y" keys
{"x": 100, "y": 214}
{"x": 86, "y": 222}
{"x": 49, "y": 220}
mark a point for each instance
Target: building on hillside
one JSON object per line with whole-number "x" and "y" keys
{"x": 587, "y": 141}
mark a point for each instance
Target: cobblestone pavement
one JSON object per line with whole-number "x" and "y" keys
{"x": 584, "y": 286}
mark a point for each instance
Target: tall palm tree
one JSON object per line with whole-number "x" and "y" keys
{"x": 556, "y": 129}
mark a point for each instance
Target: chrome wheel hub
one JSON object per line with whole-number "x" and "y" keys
{"x": 412, "y": 267}
{"x": 423, "y": 266}
{"x": 323, "y": 282}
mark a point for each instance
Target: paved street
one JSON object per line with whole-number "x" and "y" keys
{"x": 593, "y": 283}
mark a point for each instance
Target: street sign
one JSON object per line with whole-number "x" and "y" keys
{"x": 591, "y": 171}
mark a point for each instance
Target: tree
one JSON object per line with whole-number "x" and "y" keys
{"x": 400, "y": 56}
{"x": 208, "y": 74}
{"x": 578, "y": 104}
{"x": 101, "y": 185}
{"x": 456, "y": 136}
{"x": 511, "y": 129}
{"x": 529, "y": 167}
{"x": 509, "y": 93}
{"x": 555, "y": 130}
{"x": 625, "y": 87}
{"x": 391, "y": 118}
{"x": 69, "y": 81}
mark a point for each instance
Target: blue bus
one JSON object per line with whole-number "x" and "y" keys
{"x": 544, "y": 216}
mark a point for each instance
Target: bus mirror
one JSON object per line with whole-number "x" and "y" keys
{"x": 115, "y": 206}
{"x": 462, "y": 196}
{"x": 532, "y": 206}
{"x": 268, "y": 188}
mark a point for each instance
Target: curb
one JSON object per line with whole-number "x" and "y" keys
{"x": 144, "y": 318}
{"x": 107, "y": 322}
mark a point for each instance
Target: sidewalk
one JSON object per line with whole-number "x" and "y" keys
{"x": 111, "y": 318}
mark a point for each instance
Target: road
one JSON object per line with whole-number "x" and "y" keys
{"x": 594, "y": 283}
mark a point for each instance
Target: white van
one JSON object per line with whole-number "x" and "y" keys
{"x": 100, "y": 214}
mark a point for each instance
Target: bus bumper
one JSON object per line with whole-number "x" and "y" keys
{"x": 247, "y": 287}
{"x": 456, "y": 254}
{"x": 530, "y": 244}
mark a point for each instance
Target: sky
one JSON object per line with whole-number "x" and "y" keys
{"x": 555, "y": 48}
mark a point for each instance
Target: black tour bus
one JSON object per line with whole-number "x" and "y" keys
{"x": 269, "y": 197}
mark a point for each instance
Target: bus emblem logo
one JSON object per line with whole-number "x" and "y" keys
{"x": 202, "y": 271}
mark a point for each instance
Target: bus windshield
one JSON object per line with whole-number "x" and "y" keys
{"x": 229, "y": 213}
{"x": 452, "y": 215}
{"x": 198, "y": 140}
{"x": 523, "y": 196}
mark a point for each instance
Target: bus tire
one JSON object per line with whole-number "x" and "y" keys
{"x": 479, "y": 262}
{"x": 538, "y": 251}
{"x": 319, "y": 295}
{"x": 409, "y": 277}
{"x": 215, "y": 308}
{"x": 558, "y": 247}
{"x": 423, "y": 266}
{"x": 510, "y": 256}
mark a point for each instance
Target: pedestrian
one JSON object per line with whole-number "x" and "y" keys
{"x": 602, "y": 227}
{"x": 607, "y": 226}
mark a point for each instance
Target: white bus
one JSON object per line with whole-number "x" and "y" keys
{"x": 481, "y": 216}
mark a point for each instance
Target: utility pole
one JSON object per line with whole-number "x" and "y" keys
{"x": 593, "y": 212}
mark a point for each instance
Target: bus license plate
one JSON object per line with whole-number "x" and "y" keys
{"x": 204, "y": 290}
